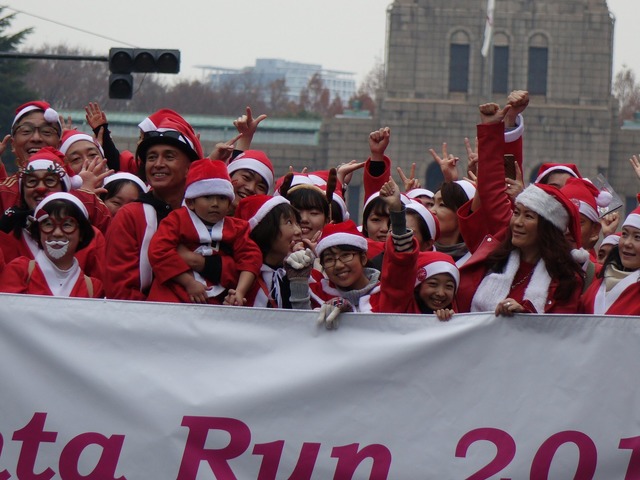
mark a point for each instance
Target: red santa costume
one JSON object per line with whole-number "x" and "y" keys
{"x": 616, "y": 291}
{"x": 487, "y": 227}
{"x": 40, "y": 275}
{"x": 228, "y": 237}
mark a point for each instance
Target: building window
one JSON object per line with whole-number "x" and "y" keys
{"x": 434, "y": 177}
{"x": 538, "y": 63}
{"x": 459, "y": 68}
{"x": 500, "y": 78}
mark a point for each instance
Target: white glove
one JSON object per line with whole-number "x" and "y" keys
{"x": 329, "y": 312}
{"x": 301, "y": 259}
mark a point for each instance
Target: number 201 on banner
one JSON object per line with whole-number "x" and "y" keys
{"x": 541, "y": 464}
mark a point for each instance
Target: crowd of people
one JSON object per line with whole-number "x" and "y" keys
{"x": 169, "y": 223}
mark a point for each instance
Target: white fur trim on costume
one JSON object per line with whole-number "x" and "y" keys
{"x": 265, "y": 209}
{"x": 341, "y": 239}
{"x": 611, "y": 240}
{"x": 403, "y": 198}
{"x": 419, "y": 192}
{"x": 435, "y": 268}
{"x": 545, "y": 205}
{"x": 588, "y": 211}
{"x": 516, "y": 133}
{"x": 127, "y": 176}
{"x": 426, "y": 215}
{"x": 468, "y": 187}
{"x": 632, "y": 220}
{"x": 254, "y": 165}
{"x": 147, "y": 125}
{"x": 76, "y": 138}
{"x": 50, "y": 115}
{"x": 495, "y": 287}
{"x": 210, "y": 186}
{"x": 60, "y": 196}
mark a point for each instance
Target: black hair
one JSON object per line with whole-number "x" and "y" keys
{"x": 60, "y": 208}
{"x": 114, "y": 187}
{"x": 422, "y": 225}
{"x": 376, "y": 206}
{"x": 345, "y": 248}
{"x": 336, "y": 212}
{"x": 453, "y": 195}
{"x": 303, "y": 198}
{"x": 267, "y": 230}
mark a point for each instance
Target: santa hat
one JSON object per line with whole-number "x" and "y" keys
{"x": 256, "y": 161}
{"x": 633, "y": 219}
{"x": 321, "y": 177}
{"x": 613, "y": 239}
{"x": 547, "y": 168}
{"x": 429, "y": 218}
{"x": 468, "y": 188}
{"x": 39, "y": 214}
{"x": 433, "y": 263}
{"x": 553, "y": 205}
{"x": 171, "y": 131}
{"x": 153, "y": 121}
{"x": 69, "y": 137}
{"x": 403, "y": 198}
{"x": 419, "y": 192}
{"x": 127, "y": 176}
{"x": 587, "y": 196}
{"x": 48, "y": 158}
{"x": 50, "y": 115}
{"x": 208, "y": 177}
{"x": 254, "y": 208}
{"x": 343, "y": 233}
{"x": 297, "y": 180}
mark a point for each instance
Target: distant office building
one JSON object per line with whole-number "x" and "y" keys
{"x": 295, "y": 74}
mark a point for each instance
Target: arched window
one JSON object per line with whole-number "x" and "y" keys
{"x": 459, "y": 62}
{"x": 500, "y": 71}
{"x": 538, "y": 65}
{"x": 434, "y": 176}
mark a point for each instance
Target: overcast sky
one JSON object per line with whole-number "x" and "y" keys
{"x": 343, "y": 35}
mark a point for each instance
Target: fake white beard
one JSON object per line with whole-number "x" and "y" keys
{"x": 56, "y": 253}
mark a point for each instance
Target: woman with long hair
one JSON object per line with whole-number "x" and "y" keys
{"x": 524, "y": 264}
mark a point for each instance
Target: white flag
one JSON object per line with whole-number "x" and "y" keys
{"x": 488, "y": 28}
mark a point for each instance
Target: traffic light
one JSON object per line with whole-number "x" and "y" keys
{"x": 121, "y": 85}
{"x": 144, "y": 60}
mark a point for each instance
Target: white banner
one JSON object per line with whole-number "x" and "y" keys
{"x": 103, "y": 390}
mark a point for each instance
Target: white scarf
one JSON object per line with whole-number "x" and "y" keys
{"x": 495, "y": 287}
{"x": 272, "y": 280}
{"x": 60, "y": 282}
{"x": 604, "y": 299}
{"x": 209, "y": 242}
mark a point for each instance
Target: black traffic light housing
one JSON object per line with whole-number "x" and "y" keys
{"x": 124, "y": 61}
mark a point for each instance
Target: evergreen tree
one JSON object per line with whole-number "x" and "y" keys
{"x": 13, "y": 91}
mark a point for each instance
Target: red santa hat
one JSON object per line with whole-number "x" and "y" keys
{"x": 48, "y": 158}
{"x": 403, "y": 198}
{"x": 433, "y": 263}
{"x": 587, "y": 196}
{"x": 50, "y": 115}
{"x": 547, "y": 168}
{"x": 256, "y": 161}
{"x": 429, "y": 218}
{"x": 254, "y": 208}
{"x": 153, "y": 121}
{"x": 419, "y": 192}
{"x": 208, "y": 177}
{"x": 174, "y": 133}
{"x": 553, "y": 205}
{"x": 69, "y": 137}
{"x": 127, "y": 176}
{"x": 613, "y": 239}
{"x": 633, "y": 219}
{"x": 39, "y": 214}
{"x": 343, "y": 233}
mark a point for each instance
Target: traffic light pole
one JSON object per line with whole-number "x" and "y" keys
{"x": 53, "y": 56}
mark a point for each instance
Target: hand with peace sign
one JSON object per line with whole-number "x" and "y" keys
{"x": 448, "y": 163}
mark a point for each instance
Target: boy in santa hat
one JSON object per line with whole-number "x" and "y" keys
{"x": 203, "y": 226}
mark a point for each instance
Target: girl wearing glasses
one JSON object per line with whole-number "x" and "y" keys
{"x": 61, "y": 227}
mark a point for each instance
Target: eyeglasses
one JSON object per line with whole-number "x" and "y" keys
{"x": 32, "y": 181}
{"x": 26, "y": 130}
{"x": 67, "y": 224}
{"x": 330, "y": 262}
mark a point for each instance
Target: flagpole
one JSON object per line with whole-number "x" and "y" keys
{"x": 487, "y": 50}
